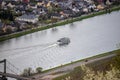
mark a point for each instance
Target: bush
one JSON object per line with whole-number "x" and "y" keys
{"x": 39, "y": 69}
{"x": 27, "y": 72}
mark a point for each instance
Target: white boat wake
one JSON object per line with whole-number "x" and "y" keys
{"x": 23, "y": 50}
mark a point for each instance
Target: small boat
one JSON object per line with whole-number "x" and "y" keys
{"x": 63, "y": 41}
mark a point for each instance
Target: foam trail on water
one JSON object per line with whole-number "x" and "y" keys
{"x": 22, "y": 51}
{"x": 27, "y": 47}
{"x": 53, "y": 45}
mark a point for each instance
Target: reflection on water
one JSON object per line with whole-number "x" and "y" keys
{"x": 54, "y": 29}
{"x": 88, "y": 37}
{"x": 72, "y": 25}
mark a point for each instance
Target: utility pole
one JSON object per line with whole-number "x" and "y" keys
{"x": 3, "y": 76}
{"x": 4, "y": 61}
{"x": 4, "y": 65}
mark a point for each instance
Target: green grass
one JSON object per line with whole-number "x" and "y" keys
{"x": 56, "y": 24}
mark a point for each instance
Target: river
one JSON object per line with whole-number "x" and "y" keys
{"x": 88, "y": 37}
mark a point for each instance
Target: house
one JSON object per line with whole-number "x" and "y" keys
{"x": 31, "y": 18}
{"x": 1, "y": 28}
{"x": 39, "y": 11}
{"x": 10, "y": 5}
{"x": 25, "y": 1}
{"x": 1, "y": 25}
{"x": 20, "y": 9}
{"x": 76, "y": 10}
{"x": 89, "y": 1}
{"x": 56, "y": 15}
{"x": 3, "y": 3}
{"x": 100, "y": 7}
{"x": 9, "y": 29}
{"x": 33, "y": 6}
{"x": 68, "y": 13}
{"x": 85, "y": 10}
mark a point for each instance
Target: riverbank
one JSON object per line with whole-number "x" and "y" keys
{"x": 18, "y": 34}
{"x": 101, "y": 66}
{"x": 70, "y": 66}
{"x": 86, "y": 59}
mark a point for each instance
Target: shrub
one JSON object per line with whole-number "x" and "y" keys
{"x": 27, "y": 72}
{"x": 39, "y": 69}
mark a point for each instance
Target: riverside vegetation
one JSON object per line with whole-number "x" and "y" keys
{"x": 102, "y": 70}
{"x": 28, "y": 71}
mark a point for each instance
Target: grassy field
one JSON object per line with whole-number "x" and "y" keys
{"x": 6, "y": 37}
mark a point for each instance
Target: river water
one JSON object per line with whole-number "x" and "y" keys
{"x": 88, "y": 37}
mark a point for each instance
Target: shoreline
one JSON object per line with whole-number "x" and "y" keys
{"x": 62, "y": 69}
{"x": 66, "y": 21}
{"x": 81, "y": 60}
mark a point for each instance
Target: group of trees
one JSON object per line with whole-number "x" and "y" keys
{"x": 6, "y": 16}
{"x": 28, "y": 72}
